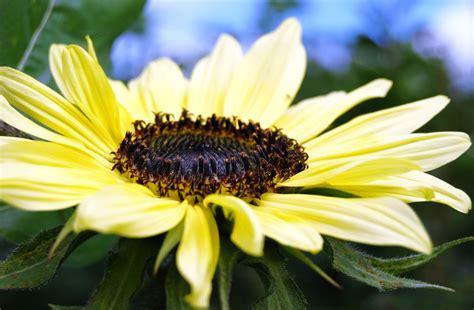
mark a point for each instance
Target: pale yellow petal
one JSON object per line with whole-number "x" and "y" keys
{"x": 343, "y": 171}
{"x": 376, "y": 221}
{"x": 161, "y": 87}
{"x": 429, "y": 151}
{"x": 289, "y": 230}
{"x": 444, "y": 192}
{"x": 87, "y": 86}
{"x": 412, "y": 187}
{"x": 46, "y": 153}
{"x": 129, "y": 210}
{"x": 198, "y": 253}
{"x": 126, "y": 100}
{"x": 211, "y": 78}
{"x": 40, "y": 187}
{"x": 312, "y": 116}
{"x": 51, "y": 110}
{"x": 398, "y": 120}
{"x": 247, "y": 233}
{"x": 266, "y": 81}
{"x": 56, "y": 65}
{"x": 405, "y": 190}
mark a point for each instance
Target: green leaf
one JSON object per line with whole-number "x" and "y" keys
{"x": 151, "y": 294}
{"x": 404, "y": 264}
{"x": 123, "y": 275}
{"x": 281, "y": 291}
{"x": 18, "y": 21}
{"x": 358, "y": 265}
{"x": 66, "y": 22}
{"x": 176, "y": 288}
{"x": 29, "y": 266}
{"x": 308, "y": 262}
{"x": 18, "y": 226}
{"x": 228, "y": 257}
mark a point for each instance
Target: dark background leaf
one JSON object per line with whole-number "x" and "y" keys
{"x": 281, "y": 291}
{"x": 123, "y": 274}
{"x": 69, "y": 22}
{"x": 176, "y": 288}
{"x": 18, "y": 21}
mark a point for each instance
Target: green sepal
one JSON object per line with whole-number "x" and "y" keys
{"x": 171, "y": 240}
{"x": 358, "y": 265}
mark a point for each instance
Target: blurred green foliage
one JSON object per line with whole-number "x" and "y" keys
{"x": 414, "y": 77}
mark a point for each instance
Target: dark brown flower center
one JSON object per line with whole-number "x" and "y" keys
{"x": 196, "y": 156}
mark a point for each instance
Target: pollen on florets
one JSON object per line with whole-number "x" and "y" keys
{"x": 195, "y": 156}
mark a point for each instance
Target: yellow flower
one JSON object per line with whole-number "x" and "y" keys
{"x": 237, "y": 145}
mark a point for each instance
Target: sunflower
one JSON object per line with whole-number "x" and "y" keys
{"x": 163, "y": 153}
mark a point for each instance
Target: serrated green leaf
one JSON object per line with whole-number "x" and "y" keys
{"x": 67, "y": 22}
{"x": 29, "y": 265}
{"x": 358, "y": 266}
{"x": 281, "y": 291}
{"x": 308, "y": 262}
{"x": 123, "y": 274}
{"x": 228, "y": 257}
{"x": 401, "y": 265}
{"x": 176, "y": 288}
{"x": 17, "y": 225}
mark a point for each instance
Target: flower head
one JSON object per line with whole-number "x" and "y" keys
{"x": 162, "y": 153}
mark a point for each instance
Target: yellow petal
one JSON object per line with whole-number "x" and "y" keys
{"x": 404, "y": 187}
{"x": 126, "y": 100}
{"x": 443, "y": 192}
{"x": 40, "y": 187}
{"x": 312, "y": 116}
{"x": 290, "y": 230}
{"x": 376, "y": 221}
{"x": 51, "y": 110}
{"x": 405, "y": 190}
{"x": 46, "y": 153}
{"x": 161, "y": 87}
{"x": 211, "y": 78}
{"x": 87, "y": 86}
{"x": 348, "y": 172}
{"x": 198, "y": 253}
{"x": 429, "y": 151}
{"x": 247, "y": 233}
{"x": 269, "y": 76}
{"x": 129, "y": 210}
{"x": 398, "y": 120}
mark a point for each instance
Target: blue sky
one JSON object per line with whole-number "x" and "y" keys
{"x": 186, "y": 30}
